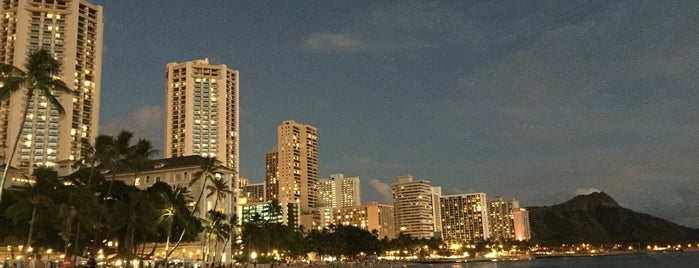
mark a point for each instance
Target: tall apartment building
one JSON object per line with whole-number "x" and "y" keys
{"x": 72, "y": 31}
{"x": 338, "y": 191}
{"x": 272, "y": 174}
{"x": 464, "y": 218}
{"x": 202, "y": 111}
{"x": 370, "y": 217}
{"x": 521, "y": 224}
{"x": 292, "y": 170}
{"x": 501, "y": 219}
{"x": 414, "y": 207}
{"x": 436, "y": 207}
{"x": 254, "y": 192}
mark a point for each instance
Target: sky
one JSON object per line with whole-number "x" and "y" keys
{"x": 533, "y": 100}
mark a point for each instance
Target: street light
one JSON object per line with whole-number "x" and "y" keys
{"x": 253, "y": 256}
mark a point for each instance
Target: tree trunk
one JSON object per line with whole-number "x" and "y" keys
{"x": 30, "y": 95}
{"x": 31, "y": 228}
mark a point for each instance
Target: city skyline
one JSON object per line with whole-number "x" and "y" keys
{"x": 529, "y": 100}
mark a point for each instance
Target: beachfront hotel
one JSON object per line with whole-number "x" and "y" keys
{"x": 414, "y": 207}
{"x": 292, "y": 170}
{"x": 202, "y": 111}
{"x": 72, "y": 32}
{"x": 464, "y": 217}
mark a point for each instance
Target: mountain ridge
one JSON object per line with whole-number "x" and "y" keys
{"x": 598, "y": 218}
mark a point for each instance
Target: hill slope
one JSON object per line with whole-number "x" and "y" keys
{"x": 597, "y": 218}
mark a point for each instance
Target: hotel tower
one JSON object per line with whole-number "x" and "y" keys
{"x": 202, "y": 111}
{"x": 415, "y": 204}
{"x": 72, "y": 32}
{"x": 292, "y": 170}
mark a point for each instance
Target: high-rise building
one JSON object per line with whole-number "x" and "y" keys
{"x": 370, "y": 217}
{"x": 284, "y": 213}
{"x": 521, "y": 224}
{"x": 293, "y": 177}
{"x": 338, "y": 191}
{"x": 414, "y": 207}
{"x": 436, "y": 208}
{"x": 254, "y": 192}
{"x": 202, "y": 111}
{"x": 501, "y": 219}
{"x": 272, "y": 174}
{"x": 464, "y": 218}
{"x": 71, "y": 30}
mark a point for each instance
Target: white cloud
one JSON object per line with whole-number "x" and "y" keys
{"x": 147, "y": 122}
{"x": 586, "y": 191}
{"x": 355, "y": 43}
{"x": 383, "y": 189}
{"x": 334, "y": 42}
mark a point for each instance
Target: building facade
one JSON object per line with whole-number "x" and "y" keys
{"x": 202, "y": 111}
{"x": 179, "y": 171}
{"x": 414, "y": 207}
{"x": 71, "y": 30}
{"x": 371, "y": 217}
{"x": 464, "y": 218}
{"x": 521, "y": 224}
{"x": 292, "y": 170}
{"x": 284, "y": 213}
{"x": 501, "y": 218}
{"x": 338, "y": 191}
{"x": 254, "y": 192}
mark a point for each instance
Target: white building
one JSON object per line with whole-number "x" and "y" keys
{"x": 501, "y": 218}
{"x": 292, "y": 170}
{"x": 338, "y": 191}
{"x": 72, "y": 31}
{"x": 413, "y": 206}
{"x": 202, "y": 111}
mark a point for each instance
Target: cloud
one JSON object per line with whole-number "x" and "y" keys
{"x": 146, "y": 122}
{"x": 355, "y": 43}
{"x": 383, "y": 189}
{"x": 335, "y": 42}
{"x": 586, "y": 191}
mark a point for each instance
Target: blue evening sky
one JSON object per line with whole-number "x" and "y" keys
{"x": 534, "y": 100}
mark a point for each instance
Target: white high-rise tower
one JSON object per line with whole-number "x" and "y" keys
{"x": 72, "y": 31}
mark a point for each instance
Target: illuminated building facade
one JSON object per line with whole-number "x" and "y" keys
{"x": 338, "y": 191}
{"x": 254, "y": 192}
{"x": 413, "y": 206}
{"x": 72, "y": 32}
{"x": 179, "y": 171}
{"x": 292, "y": 170}
{"x": 263, "y": 212}
{"x": 501, "y": 218}
{"x": 464, "y": 218}
{"x": 370, "y": 217}
{"x": 202, "y": 111}
{"x": 521, "y": 224}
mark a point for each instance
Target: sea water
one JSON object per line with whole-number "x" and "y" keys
{"x": 664, "y": 259}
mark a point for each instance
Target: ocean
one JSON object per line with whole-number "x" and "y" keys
{"x": 664, "y": 259}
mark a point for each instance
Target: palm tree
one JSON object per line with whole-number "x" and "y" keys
{"x": 206, "y": 172}
{"x": 139, "y": 156}
{"x": 38, "y": 77}
{"x": 88, "y": 159}
{"x": 169, "y": 210}
{"x": 218, "y": 187}
{"x": 30, "y": 202}
{"x": 112, "y": 152}
{"x": 216, "y": 228}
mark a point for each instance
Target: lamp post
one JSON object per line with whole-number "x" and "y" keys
{"x": 253, "y": 256}
{"x": 48, "y": 255}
